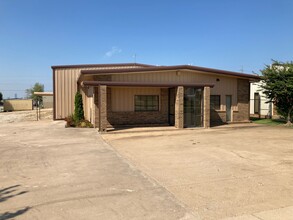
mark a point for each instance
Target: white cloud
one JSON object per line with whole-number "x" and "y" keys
{"x": 113, "y": 51}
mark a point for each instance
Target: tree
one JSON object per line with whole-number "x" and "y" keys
{"x": 278, "y": 87}
{"x": 78, "y": 108}
{"x": 1, "y": 96}
{"x": 38, "y": 87}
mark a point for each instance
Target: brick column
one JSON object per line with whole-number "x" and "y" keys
{"x": 206, "y": 107}
{"x": 102, "y": 108}
{"x": 179, "y": 107}
{"x": 96, "y": 108}
{"x": 93, "y": 106}
{"x": 243, "y": 100}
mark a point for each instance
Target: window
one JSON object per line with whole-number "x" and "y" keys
{"x": 256, "y": 103}
{"x": 215, "y": 101}
{"x": 146, "y": 103}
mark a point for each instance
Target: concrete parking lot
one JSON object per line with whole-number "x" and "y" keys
{"x": 49, "y": 172}
{"x": 233, "y": 172}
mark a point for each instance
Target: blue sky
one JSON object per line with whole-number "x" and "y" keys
{"x": 227, "y": 34}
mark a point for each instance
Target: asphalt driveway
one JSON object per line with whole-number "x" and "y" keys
{"x": 238, "y": 172}
{"x": 49, "y": 172}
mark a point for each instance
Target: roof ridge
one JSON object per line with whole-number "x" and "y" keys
{"x": 101, "y": 65}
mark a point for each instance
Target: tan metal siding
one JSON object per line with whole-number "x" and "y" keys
{"x": 225, "y": 85}
{"x": 66, "y": 86}
{"x": 65, "y": 89}
{"x": 87, "y": 94}
{"x": 123, "y": 98}
{"x": 83, "y": 92}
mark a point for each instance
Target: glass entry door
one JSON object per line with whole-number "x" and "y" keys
{"x": 193, "y": 107}
{"x": 171, "y": 107}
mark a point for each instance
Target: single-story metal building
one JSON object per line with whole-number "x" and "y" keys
{"x": 140, "y": 94}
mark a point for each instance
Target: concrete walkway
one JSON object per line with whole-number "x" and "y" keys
{"x": 282, "y": 213}
{"x": 49, "y": 172}
{"x": 243, "y": 171}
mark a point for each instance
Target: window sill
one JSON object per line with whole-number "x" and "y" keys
{"x": 148, "y": 111}
{"x": 219, "y": 111}
{"x": 223, "y": 111}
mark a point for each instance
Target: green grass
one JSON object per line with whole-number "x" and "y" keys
{"x": 265, "y": 121}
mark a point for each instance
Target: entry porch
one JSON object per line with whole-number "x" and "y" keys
{"x": 114, "y": 104}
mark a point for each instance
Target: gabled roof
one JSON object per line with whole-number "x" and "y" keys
{"x": 114, "y": 65}
{"x": 150, "y": 68}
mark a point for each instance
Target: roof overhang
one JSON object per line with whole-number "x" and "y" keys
{"x": 170, "y": 68}
{"x": 145, "y": 84}
{"x": 43, "y": 93}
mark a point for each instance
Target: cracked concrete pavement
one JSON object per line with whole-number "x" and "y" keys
{"x": 236, "y": 171}
{"x": 49, "y": 172}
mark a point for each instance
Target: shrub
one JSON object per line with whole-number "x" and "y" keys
{"x": 77, "y": 119}
{"x": 69, "y": 121}
{"x": 78, "y": 107}
{"x": 85, "y": 124}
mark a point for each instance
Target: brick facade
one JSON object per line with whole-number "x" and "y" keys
{"x": 101, "y": 104}
{"x": 103, "y": 109}
{"x": 243, "y": 91}
{"x": 242, "y": 115}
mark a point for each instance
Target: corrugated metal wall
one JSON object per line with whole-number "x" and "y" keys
{"x": 225, "y": 85}
{"x": 88, "y": 103}
{"x": 66, "y": 87}
{"x": 123, "y": 98}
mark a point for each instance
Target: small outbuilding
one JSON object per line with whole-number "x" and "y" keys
{"x": 47, "y": 98}
{"x": 140, "y": 94}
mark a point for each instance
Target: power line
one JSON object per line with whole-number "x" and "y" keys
{"x": 12, "y": 90}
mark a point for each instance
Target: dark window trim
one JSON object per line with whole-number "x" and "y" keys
{"x": 145, "y": 106}
{"x": 257, "y": 100}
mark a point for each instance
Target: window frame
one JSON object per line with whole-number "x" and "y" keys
{"x": 256, "y": 104}
{"x": 146, "y": 106}
{"x": 212, "y": 104}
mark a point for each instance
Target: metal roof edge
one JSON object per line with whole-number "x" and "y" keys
{"x": 100, "y": 65}
{"x": 177, "y": 67}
